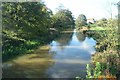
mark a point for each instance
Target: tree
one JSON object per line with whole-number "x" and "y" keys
{"x": 81, "y": 20}
{"x": 102, "y": 22}
{"x": 25, "y": 19}
{"x": 63, "y": 19}
{"x": 24, "y": 24}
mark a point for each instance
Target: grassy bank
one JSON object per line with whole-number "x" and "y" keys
{"x": 97, "y": 28}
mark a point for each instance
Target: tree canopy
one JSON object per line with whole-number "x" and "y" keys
{"x": 24, "y": 24}
{"x": 63, "y": 19}
{"x": 29, "y": 24}
{"x": 81, "y": 20}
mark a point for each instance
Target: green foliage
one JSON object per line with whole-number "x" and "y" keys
{"x": 89, "y": 70}
{"x": 26, "y": 19}
{"x": 81, "y": 20}
{"x": 107, "y": 51}
{"x": 25, "y": 26}
{"x": 107, "y": 56}
{"x": 96, "y": 70}
{"x": 63, "y": 19}
{"x": 97, "y": 28}
{"x": 99, "y": 24}
{"x": 102, "y": 22}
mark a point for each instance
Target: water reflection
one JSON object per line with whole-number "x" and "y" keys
{"x": 80, "y": 36}
{"x": 64, "y": 38}
{"x": 66, "y": 58}
{"x": 28, "y": 66}
{"x": 71, "y": 60}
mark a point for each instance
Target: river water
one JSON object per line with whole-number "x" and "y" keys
{"x": 66, "y": 58}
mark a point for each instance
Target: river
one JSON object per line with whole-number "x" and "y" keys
{"x": 66, "y": 58}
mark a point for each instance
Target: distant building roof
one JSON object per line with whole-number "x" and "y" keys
{"x": 92, "y": 20}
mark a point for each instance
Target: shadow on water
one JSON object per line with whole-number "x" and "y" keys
{"x": 66, "y": 58}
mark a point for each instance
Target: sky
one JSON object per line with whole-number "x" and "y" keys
{"x": 96, "y": 9}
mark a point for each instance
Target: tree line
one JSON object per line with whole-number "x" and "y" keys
{"x": 27, "y": 25}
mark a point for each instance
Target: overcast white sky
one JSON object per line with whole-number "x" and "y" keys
{"x": 91, "y": 8}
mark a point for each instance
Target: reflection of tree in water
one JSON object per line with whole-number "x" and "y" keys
{"x": 64, "y": 38}
{"x": 80, "y": 36}
{"x": 96, "y": 35}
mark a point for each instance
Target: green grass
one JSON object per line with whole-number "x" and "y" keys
{"x": 97, "y": 28}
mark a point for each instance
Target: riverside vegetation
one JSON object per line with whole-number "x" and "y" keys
{"x": 29, "y": 25}
{"x": 106, "y": 61}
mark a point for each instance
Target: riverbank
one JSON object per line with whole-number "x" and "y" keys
{"x": 15, "y": 48}
{"x": 107, "y": 52}
{"x": 11, "y": 50}
{"x": 55, "y": 60}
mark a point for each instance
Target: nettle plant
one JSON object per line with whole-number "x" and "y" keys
{"x": 99, "y": 70}
{"x": 94, "y": 71}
